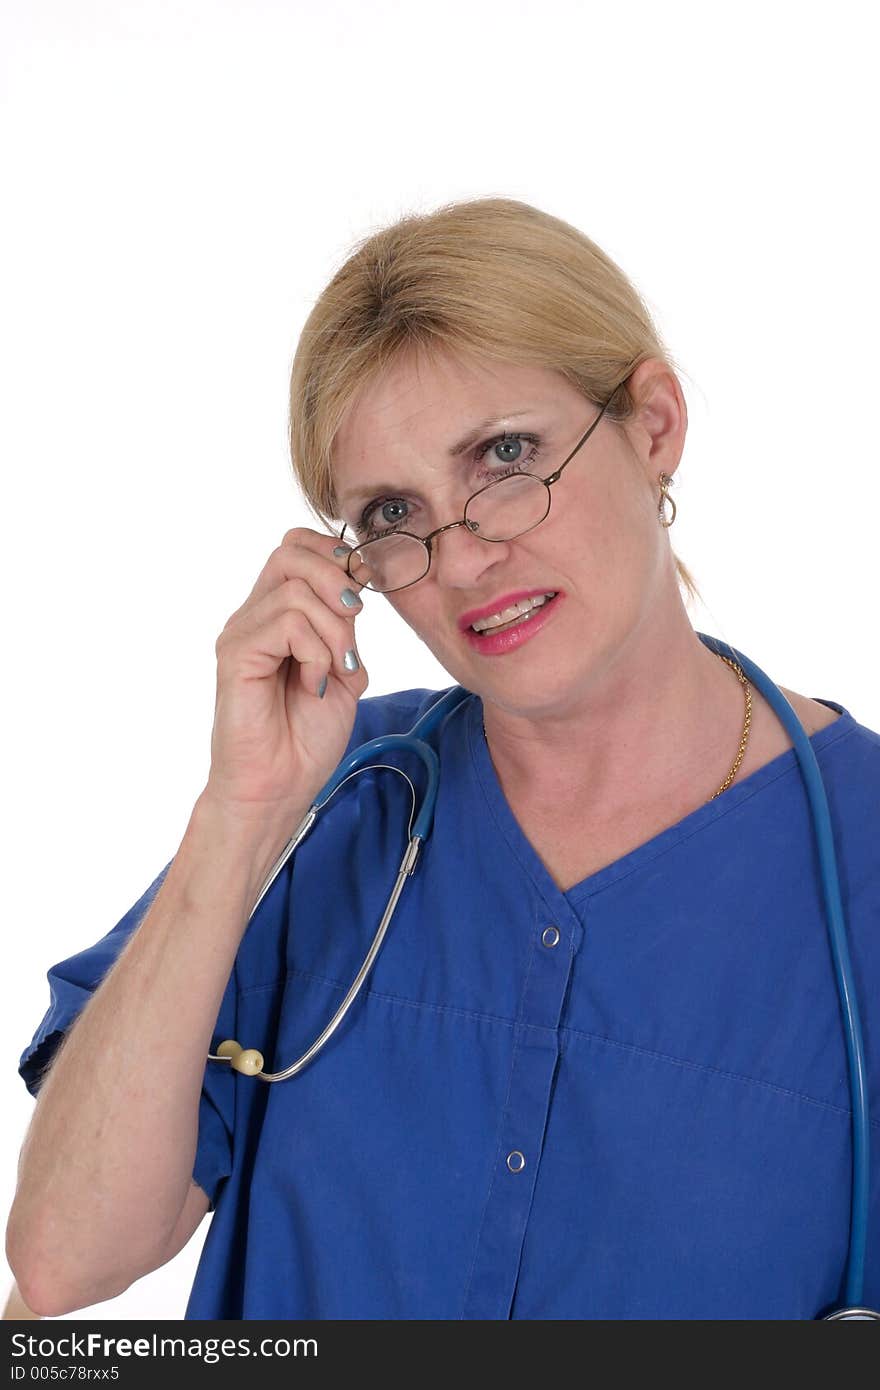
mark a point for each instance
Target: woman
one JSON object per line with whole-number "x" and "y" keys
{"x": 597, "y": 1070}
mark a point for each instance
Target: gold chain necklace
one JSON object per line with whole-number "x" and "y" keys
{"x": 746, "y": 726}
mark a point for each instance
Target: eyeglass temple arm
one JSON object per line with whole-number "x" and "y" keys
{"x": 555, "y": 476}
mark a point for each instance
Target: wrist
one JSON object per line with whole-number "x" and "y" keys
{"x": 242, "y": 838}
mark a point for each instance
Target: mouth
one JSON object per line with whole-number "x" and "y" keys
{"x": 512, "y": 625}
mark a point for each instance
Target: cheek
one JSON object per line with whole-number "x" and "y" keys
{"x": 430, "y": 620}
{"x": 415, "y": 612}
{"x": 601, "y": 553}
{"x": 607, "y": 529}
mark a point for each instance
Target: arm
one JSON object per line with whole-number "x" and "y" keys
{"x": 105, "y": 1191}
{"x": 105, "y": 1173}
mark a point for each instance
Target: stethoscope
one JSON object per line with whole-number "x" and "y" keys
{"x": 249, "y": 1062}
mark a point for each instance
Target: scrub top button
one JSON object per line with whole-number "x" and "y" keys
{"x": 516, "y": 1161}
{"x": 550, "y": 936}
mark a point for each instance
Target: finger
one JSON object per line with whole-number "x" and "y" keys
{"x": 303, "y": 543}
{"x": 335, "y": 629}
{"x": 259, "y": 651}
{"x": 305, "y": 552}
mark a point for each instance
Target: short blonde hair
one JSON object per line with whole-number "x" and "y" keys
{"x": 493, "y": 278}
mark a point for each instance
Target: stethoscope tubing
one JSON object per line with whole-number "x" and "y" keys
{"x": 359, "y": 760}
{"x": 416, "y": 742}
{"x": 843, "y": 971}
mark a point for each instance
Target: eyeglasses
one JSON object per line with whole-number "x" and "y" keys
{"x": 498, "y": 512}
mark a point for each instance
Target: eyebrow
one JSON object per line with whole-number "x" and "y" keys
{"x": 473, "y": 436}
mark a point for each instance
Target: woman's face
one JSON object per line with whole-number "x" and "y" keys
{"x": 601, "y": 548}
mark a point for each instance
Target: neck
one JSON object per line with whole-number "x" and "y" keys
{"x": 661, "y": 718}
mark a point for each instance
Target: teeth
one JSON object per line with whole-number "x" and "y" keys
{"x": 515, "y": 611}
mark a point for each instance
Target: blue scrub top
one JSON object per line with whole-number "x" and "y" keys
{"x": 672, "y": 1072}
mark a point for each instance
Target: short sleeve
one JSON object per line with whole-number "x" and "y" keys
{"x": 72, "y": 983}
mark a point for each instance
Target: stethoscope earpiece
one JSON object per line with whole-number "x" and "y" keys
{"x": 247, "y": 1060}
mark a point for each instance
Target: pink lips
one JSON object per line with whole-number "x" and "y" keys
{"x": 497, "y": 605}
{"x": 493, "y": 643}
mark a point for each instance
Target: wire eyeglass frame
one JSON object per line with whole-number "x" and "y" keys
{"x": 427, "y": 541}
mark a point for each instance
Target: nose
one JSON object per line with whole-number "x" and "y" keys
{"x": 461, "y": 558}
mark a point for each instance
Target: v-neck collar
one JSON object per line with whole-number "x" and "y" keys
{"x": 636, "y": 859}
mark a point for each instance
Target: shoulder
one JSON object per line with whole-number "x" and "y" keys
{"x": 856, "y": 747}
{"x": 849, "y": 752}
{"x": 849, "y": 759}
{"x": 812, "y": 713}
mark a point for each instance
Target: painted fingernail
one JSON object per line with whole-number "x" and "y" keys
{"x": 321, "y": 688}
{"x": 350, "y": 661}
{"x": 341, "y": 550}
{"x": 351, "y": 599}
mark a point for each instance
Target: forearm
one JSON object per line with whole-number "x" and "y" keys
{"x": 107, "y": 1162}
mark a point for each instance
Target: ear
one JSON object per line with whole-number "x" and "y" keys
{"x": 657, "y": 429}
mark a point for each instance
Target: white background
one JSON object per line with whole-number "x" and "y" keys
{"x": 180, "y": 180}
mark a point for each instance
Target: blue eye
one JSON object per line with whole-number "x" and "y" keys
{"x": 510, "y": 441}
{"x": 392, "y": 513}
{"x": 502, "y": 445}
{"x": 388, "y": 509}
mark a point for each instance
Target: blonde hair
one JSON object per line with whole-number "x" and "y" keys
{"x": 491, "y": 277}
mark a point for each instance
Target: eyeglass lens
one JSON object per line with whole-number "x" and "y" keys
{"x": 500, "y": 512}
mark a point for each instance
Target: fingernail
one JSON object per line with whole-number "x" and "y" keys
{"x": 321, "y": 688}
{"x": 351, "y": 662}
{"x": 350, "y": 598}
{"x": 341, "y": 550}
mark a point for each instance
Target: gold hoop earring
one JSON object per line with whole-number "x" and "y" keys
{"x": 666, "y": 483}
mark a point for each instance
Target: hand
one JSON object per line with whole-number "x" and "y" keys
{"x": 275, "y": 742}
